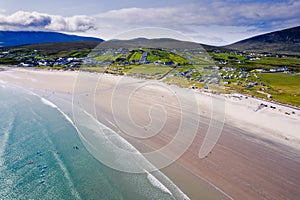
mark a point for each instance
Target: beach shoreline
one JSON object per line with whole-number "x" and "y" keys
{"x": 265, "y": 131}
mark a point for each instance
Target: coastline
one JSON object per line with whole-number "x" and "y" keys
{"x": 261, "y": 137}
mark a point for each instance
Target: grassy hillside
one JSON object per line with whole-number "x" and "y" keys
{"x": 57, "y": 49}
{"x": 282, "y": 42}
{"x": 283, "y": 87}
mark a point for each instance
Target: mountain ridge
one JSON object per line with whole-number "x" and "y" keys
{"x": 282, "y": 42}
{"x": 18, "y": 38}
{"x": 286, "y": 41}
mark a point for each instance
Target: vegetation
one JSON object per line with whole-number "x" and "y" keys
{"x": 247, "y": 73}
{"x": 279, "y": 42}
{"x": 249, "y": 62}
{"x": 135, "y": 56}
{"x": 149, "y": 69}
{"x": 283, "y": 87}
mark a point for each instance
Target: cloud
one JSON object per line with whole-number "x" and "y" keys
{"x": 207, "y": 21}
{"x": 234, "y": 19}
{"x": 34, "y": 20}
{"x": 71, "y": 24}
{"x": 209, "y": 13}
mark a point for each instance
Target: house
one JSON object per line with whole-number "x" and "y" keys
{"x": 180, "y": 74}
{"x": 215, "y": 67}
{"x": 280, "y": 69}
{"x": 223, "y": 62}
{"x": 250, "y": 85}
{"x": 25, "y": 65}
{"x": 169, "y": 63}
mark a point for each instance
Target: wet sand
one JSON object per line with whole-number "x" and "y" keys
{"x": 249, "y": 161}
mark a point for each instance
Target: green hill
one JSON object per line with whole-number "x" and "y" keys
{"x": 58, "y": 49}
{"x": 282, "y": 42}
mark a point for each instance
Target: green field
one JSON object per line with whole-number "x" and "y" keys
{"x": 93, "y": 69}
{"x": 226, "y": 56}
{"x": 179, "y": 81}
{"x": 107, "y": 57}
{"x": 135, "y": 56}
{"x": 165, "y": 56}
{"x": 264, "y": 62}
{"x": 149, "y": 70}
{"x": 284, "y": 87}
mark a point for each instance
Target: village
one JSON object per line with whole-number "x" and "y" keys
{"x": 194, "y": 68}
{"x": 233, "y": 70}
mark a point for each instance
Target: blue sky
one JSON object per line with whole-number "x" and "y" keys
{"x": 212, "y": 22}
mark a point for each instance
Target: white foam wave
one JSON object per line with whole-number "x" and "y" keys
{"x": 68, "y": 177}
{"x": 66, "y": 173}
{"x": 59, "y": 161}
{"x": 156, "y": 183}
{"x": 129, "y": 147}
{"x": 126, "y": 145}
{"x": 4, "y": 139}
{"x": 160, "y": 180}
{"x": 49, "y": 103}
{"x": 2, "y": 82}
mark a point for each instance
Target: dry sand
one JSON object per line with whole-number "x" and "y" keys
{"x": 256, "y": 157}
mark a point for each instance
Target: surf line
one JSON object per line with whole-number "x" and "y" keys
{"x": 59, "y": 161}
{"x": 157, "y": 179}
{"x": 5, "y": 138}
{"x": 173, "y": 188}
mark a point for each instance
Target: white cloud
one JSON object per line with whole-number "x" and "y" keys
{"x": 71, "y": 24}
{"x": 35, "y": 20}
{"x": 215, "y": 12}
{"x": 214, "y": 22}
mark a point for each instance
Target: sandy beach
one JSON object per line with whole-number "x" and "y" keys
{"x": 256, "y": 157}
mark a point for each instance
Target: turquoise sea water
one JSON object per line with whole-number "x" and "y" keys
{"x": 38, "y": 158}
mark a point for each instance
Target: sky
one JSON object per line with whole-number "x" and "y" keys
{"x": 212, "y": 22}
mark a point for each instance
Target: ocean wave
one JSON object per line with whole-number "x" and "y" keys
{"x": 159, "y": 180}
{"x": 59, "y": 161}
{"x": 66, "y": 175}
{"x": 4, "y": 139}
{"x": 49, "y": 103}
{"x": 125, "y": 144}
{"x": 157, "y": 183}
{"x": 2, "y": 84}
{"x": 128, "y": 147}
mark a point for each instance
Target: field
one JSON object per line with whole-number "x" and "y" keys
{"x": 179, "y": 81}
{"x": 195, "y": 68}
{"x": 135, "y": 56}
{"x": 148, "y": 70}
{"x": 264, "y": 62}
{"x": 283, "y": 87}
{"x": 108, "y": 57}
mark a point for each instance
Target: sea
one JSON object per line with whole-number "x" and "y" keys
{"x": 42, "y": 157}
